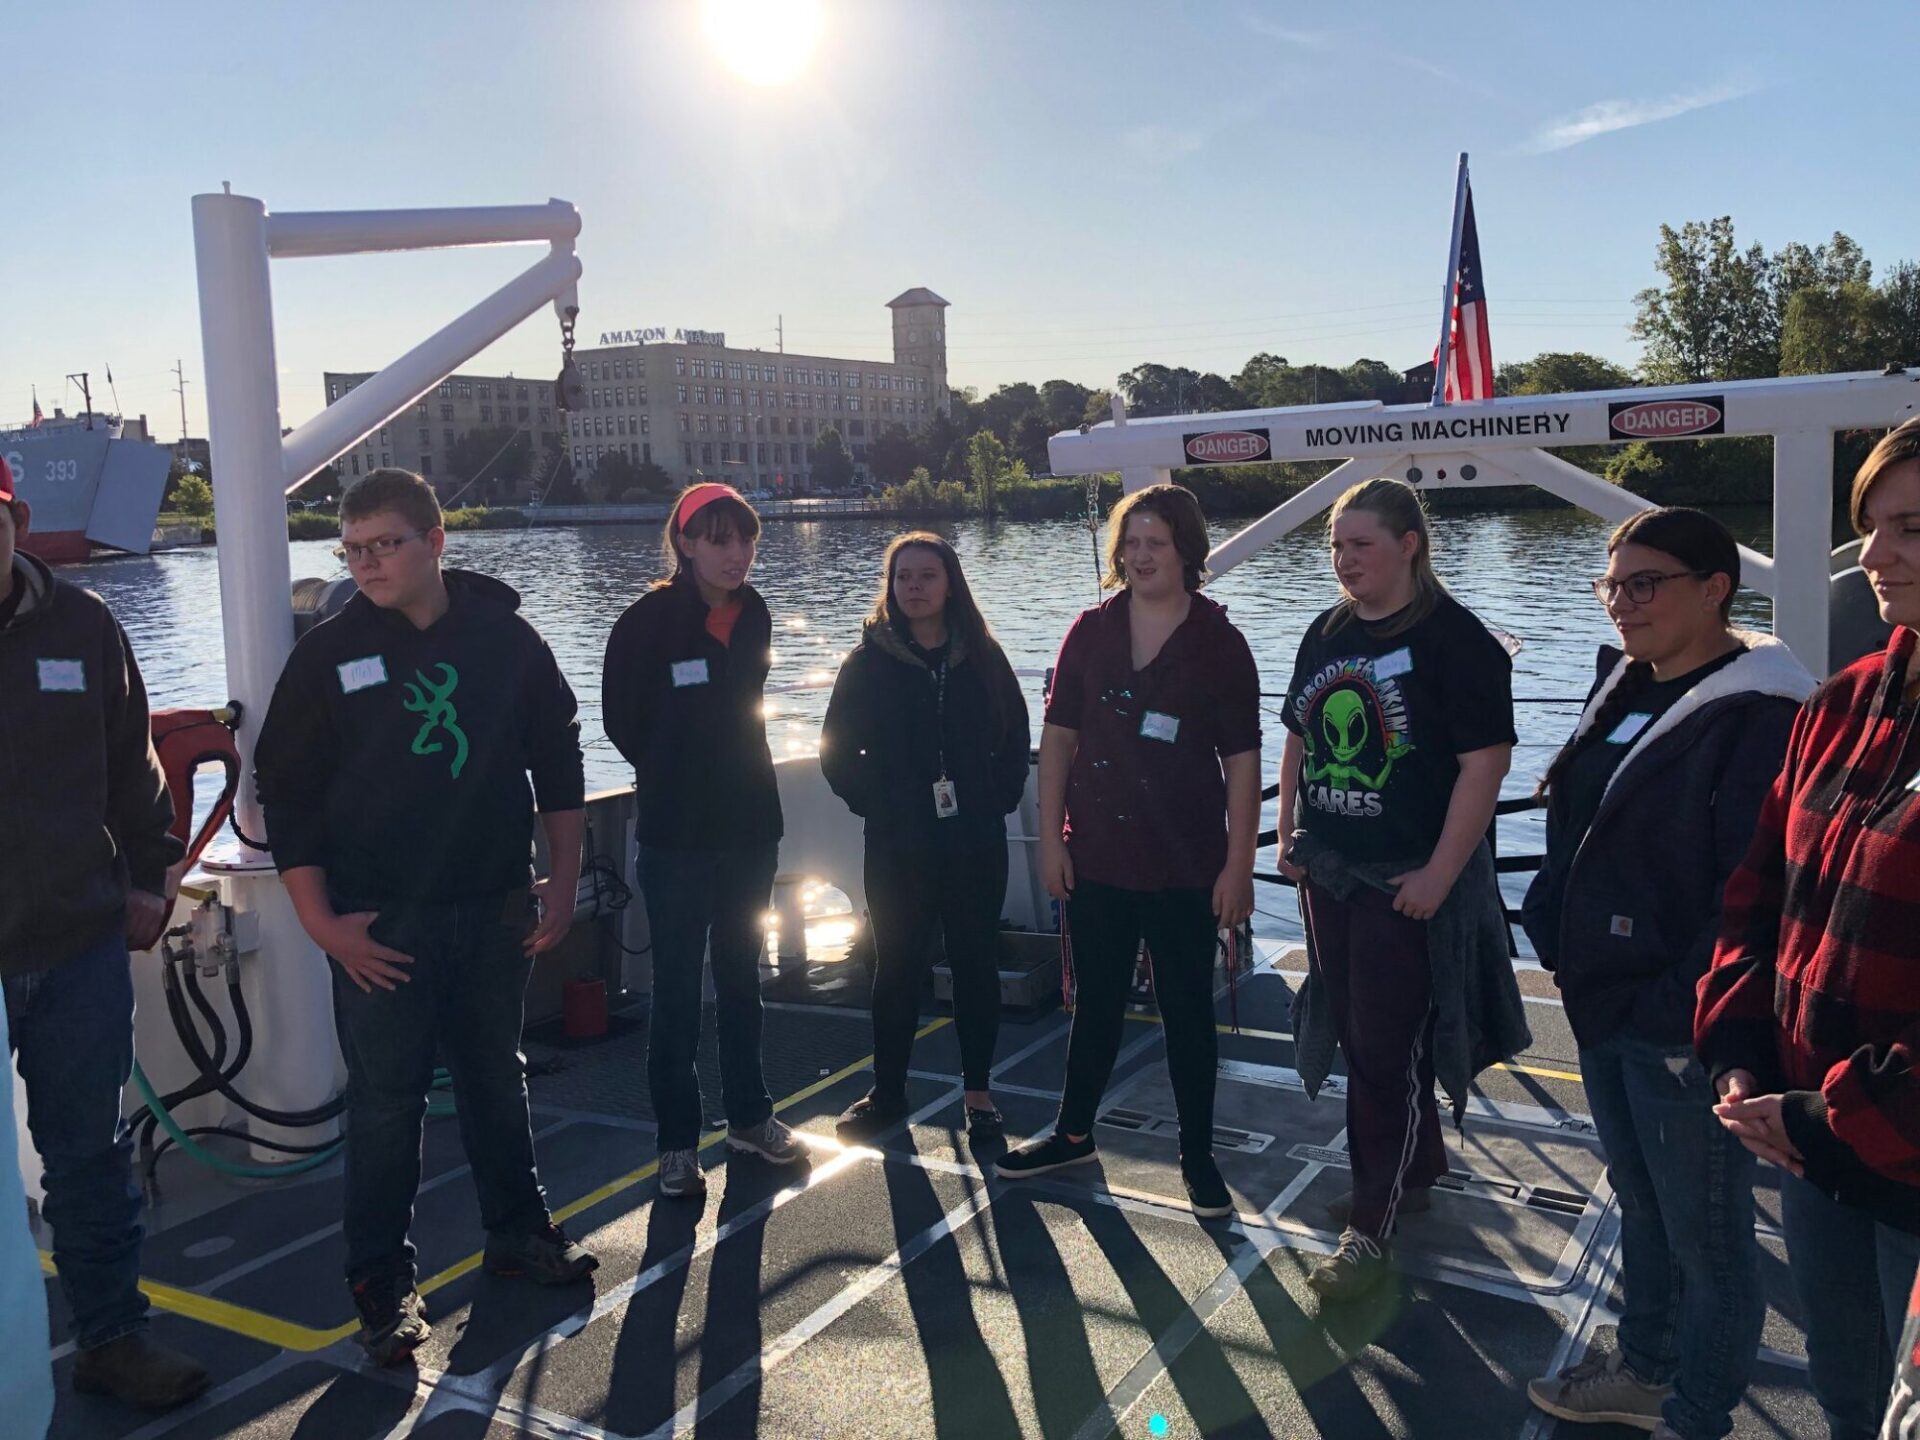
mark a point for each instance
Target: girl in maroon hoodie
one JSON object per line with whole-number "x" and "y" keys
{"x": 1809, "y": 1020}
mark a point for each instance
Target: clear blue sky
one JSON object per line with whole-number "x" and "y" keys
{"x": 1090, "y": 185}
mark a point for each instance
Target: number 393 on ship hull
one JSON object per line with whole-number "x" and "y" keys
{"x": 88, "y": 488}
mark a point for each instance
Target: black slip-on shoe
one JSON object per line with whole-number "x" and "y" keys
{"x": 1037, "y": 1157}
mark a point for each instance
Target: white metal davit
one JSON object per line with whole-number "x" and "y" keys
{"x": 254, "y": 467}
{"x": 1507, "y": 441}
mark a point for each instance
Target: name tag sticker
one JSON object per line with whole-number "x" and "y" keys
{"x": 63, "y": 677}
{"x": 1625, "y": 732}
{"x": 689, "y": 672}
{"x": 946, "y": 803}
{"x": 360, "y": 674}
{"x": 1156, "y": 726}
{"x": 1622, "y": 926}
{"x": 1396, "y": 662}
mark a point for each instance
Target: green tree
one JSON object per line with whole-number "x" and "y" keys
{"x": 986, "y": 469}
{"x": 613, "y": 478}
{"x": 1001, "y": 411}
{"x": 1716, "y": 314}
{"x": 1374, "y": 379}
{"x": 193, "y": 496}
{"x": 491, "y": 459}
{"x": 1099, "y": 407}
{"x": 832, "y": 464}
{"x": 895, "y": 453}
{"x": 1900, "y": 298}
{"x": 653, "y": 478}
{"x": 1064, "y": 403}
{"x": 1030, "y": 435}
{"x": 322, "y": 485}
{"x": 1557, "y": 372}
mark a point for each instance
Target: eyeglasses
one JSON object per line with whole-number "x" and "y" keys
{"x": 1640, "y": 588}
{"x": 374, "y": 549}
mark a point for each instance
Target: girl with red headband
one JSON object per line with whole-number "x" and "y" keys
{"x": 686, "y": 672}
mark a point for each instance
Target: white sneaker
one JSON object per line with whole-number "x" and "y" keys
{"x": 680, "y": 1174}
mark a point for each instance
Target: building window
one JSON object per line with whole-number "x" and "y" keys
{"x": 385, "y": 459}
{"x": 426, "y": 464}
{"x": 356, "y": 463}
{"x": 706, "y": 424}
{"x": 643, "y": 396}
{"x": 446, "y": 436}
{"x": 576, "y": 456}
{"x": 683, "y": 423}
{"x": 680, "y": 365}
{"x": 463, "y": 389}
{"x": 523, "y": 414}
{"x": 546, "y": 416}
{"x": 837, "y": 402}
{"x": 680, "y": 394}
{"x": 421, "y": 410}
{"x": 619, "y": 424}
{"x": 486, "y": 413}
{"x": 446, "y": 412}
{"x": 833, "y": 377}
{"x": 646, "y": 426}
{"x": 786, "y": 372}
{"x": 760, "y": 454}
{"x": 699, "y": 394}
{"x": 521, "y": 393}
{"x": 446, "y": 388}
{"x": 426, "y": 436}
{"x": 686, "y": 452}
{"x": 853, "y": 404}
{"x": 706, "y": 454}
{"x": 807, "y": 427}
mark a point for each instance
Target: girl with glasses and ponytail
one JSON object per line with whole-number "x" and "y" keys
{"x": 1650, "y": 805}
{"x": 1399, "y": 730}
{"x": 682, "y": 696}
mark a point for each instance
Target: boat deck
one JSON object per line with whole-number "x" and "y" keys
{"x": 903, "y": 1291}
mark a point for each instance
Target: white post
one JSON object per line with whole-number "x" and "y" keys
{"x": 1443, "y": 354}
{"x": 243, "y": 431}
{"x": 1295, "y": 511}
{"x": 1802, "y": 527}
{"x": 287, "y": 984}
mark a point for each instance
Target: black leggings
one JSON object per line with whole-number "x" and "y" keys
{"x": 961, "y": 891}
{"x": 1107, "y": 925}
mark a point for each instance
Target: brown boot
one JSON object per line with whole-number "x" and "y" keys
{"x": 139, "y": 1371}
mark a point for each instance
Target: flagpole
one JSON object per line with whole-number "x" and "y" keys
{"x": 1445, "y": 352}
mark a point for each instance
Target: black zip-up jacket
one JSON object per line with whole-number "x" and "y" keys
{"x": 397, "y": 759}
{"x": 880, "y": 746}
{"x": 82, "y": 799}
{"x": 686, "y": 711}
{"x": 1626, "y": 916}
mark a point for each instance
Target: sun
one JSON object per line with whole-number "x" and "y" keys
{"x": 764, "y": 42}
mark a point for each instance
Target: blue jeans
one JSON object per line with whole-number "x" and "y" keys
{"x": 696, "y": 900}
{"x": 1842, "y": 1262}
{"x": 72, "y": 1026}
{"x": 466, "y": 1000}
{"x": 1690, "y": 1263}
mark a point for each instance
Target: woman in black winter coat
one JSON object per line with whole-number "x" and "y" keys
{"x": 926, "y": 739}
{"x": 1650, "y": 806}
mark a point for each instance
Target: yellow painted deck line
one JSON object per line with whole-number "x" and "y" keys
{"x": 288, "y": 1335}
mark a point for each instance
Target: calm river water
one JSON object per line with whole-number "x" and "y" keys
{"x": 1523, "y": 571}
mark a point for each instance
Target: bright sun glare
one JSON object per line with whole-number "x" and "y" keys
{"x": 765, "y": 42}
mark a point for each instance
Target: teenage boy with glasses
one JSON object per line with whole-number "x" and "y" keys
{"x": 393, "y": 769}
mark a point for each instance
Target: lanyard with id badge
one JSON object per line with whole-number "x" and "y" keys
{"x": 946, "y": 802}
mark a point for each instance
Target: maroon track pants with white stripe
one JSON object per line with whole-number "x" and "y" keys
{"x": 1379, "y": 986}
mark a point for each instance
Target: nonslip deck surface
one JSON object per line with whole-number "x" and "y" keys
{"x": 901, "y": 1290}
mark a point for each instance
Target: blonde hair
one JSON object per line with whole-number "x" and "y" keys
{"x": 1397, "y": 506}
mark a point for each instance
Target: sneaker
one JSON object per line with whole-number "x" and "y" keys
{"x": 987, "y": 1124}
{"x": 546, "y": 1257}
{"x": 136, "y": 1370}
{"x": 1206, "y": 1191}
{"x": 393, "y": 1323}
{"x": 1037, "y": 1157}
{"x": 1600, "y": 1390}
{"x": 1412, "y": 1202}
{"x": 1359, "y": 1264}
{"x": 870, "y": 1116}
{"x": 1664, "y": 1431}
{"x": 772, "y": 1140}
{"x": 680, "y": 1174}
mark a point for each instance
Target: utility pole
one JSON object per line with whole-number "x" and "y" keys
{"x": 180, "y": 389}
{"x": 780, "y": 329}
{"x": 86, "y": 394}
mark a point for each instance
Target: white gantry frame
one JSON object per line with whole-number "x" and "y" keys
{"x": 1499, "y": 442}
{"x": 254, "y": 466}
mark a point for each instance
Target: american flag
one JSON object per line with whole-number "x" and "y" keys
{"x": 37, "y": 416}
{"x": 1469, "y": 353}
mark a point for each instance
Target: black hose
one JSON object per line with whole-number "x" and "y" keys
{"x": 200, "y": 1085}
{"x": 190, "y": 977}
{"x": 196, "y": 1052}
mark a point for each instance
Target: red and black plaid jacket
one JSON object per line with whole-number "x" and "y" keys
{"x": 1815, "y": 984}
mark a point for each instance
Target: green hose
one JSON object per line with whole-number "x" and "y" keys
{"x": 249, "y": 1172}
{"x": 214, "y": 1162}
